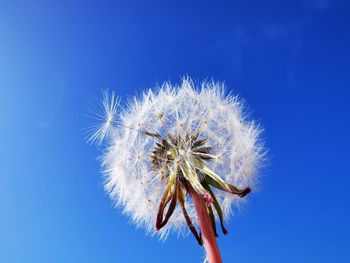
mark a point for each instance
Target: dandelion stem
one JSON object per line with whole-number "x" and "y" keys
{"x": 205, "y": 225}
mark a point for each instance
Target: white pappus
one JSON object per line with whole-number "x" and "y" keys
{"x": 175, "y": 138}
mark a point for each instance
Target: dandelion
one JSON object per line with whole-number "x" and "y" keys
{"x": 178, "y": 158}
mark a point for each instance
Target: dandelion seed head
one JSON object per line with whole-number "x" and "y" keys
{"x": 138, "y": 165}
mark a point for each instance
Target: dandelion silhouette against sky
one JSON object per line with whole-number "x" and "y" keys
{"x": 177, "y": 158}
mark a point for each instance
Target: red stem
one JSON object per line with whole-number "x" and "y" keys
{"x": 205, "y": 225}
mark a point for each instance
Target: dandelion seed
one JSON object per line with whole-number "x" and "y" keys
{"x": 105, "y": 117}
{"x": 180, "y": 154}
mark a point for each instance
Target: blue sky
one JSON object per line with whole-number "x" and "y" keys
{"x": 289, "y": 60}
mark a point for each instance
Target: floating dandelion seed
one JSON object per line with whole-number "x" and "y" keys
{"x": 177, "y": 153}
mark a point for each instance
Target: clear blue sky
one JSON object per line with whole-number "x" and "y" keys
{"x": 290, "y": 60}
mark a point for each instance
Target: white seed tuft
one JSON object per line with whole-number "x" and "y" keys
{"x": 132, "y": 181}
{"x": 105, "y": 117}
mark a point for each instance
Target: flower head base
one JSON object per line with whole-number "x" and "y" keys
{"x": 181, "y": 162}
{"x": 178, "y": 139}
